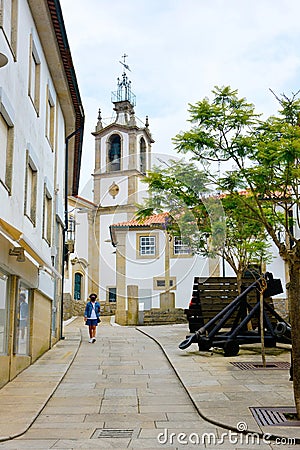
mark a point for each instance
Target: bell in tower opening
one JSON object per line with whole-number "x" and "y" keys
{"x": 114, "y": 154}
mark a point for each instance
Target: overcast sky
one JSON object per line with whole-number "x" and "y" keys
{"x": 178, "y": 50}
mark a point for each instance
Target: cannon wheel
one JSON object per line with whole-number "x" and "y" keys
{"x": 231, "y": 348}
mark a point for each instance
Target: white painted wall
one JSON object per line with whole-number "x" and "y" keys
{"x": 81, "y": 235}
{"x": 121, "y": 198}
{"x": 107, "y": 256}
{"x": 29, "y": 133}
{"x": 141, "y": 271}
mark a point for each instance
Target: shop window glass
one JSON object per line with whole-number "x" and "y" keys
{"x": 22, "y": 328}
{"x": 3, "y": 312}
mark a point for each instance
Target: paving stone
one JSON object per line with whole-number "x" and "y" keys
{"x": 119, "y": 392}
{"x": 39, "y": 444}
{"x": 125, "y": 381}
{"x": 48, "y": 418}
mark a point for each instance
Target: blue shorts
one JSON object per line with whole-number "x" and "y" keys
{"x": 91, "y": 322}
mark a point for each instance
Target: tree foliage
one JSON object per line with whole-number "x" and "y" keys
{"x": 260, "y": 158}
{"x": 210, "y": 224}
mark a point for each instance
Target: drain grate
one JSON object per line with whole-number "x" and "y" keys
{"x": 265, "y": 417}
{"x": 274, "y": 416}
{"x": 259, "y": 366}
{"x": 111, "y": 433}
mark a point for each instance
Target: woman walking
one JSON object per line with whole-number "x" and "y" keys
{"x": 92, "y": 316}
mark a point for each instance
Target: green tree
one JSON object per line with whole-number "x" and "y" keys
{"x": 210, "y": 224}
{"x": 261, "y": 157}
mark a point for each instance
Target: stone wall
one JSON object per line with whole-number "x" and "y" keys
{"x": 153, "y": 316}
{"x": 157, "y": 317}
{"x": 108, "y": 308}
{"x": 74, "y": 308}
{"x": 281, "y": 307}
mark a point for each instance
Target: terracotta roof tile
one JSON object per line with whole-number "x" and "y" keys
{"x": 155, "y": 219}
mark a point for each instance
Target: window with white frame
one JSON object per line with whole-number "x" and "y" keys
{"x": 147, "y": 245}
{"x": 30, "y": 189}
{"x": 50, "y": 118}
{"x": 8, "y": 21}
{"x": 112, "y": 294}
{"x": 6, "y": 150}
{"x": 47, "y": 215}
{"x": 179, "y": 247}
{"x": 34, "y": 75}
{"x": 3, "y": 147}
{"x": 77, "y": 286}
{"x": 71, "y": 228}
{"x": 159, "y": 283}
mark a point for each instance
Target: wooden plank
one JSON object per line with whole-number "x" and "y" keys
{"x": 214, "y": 294}
{"x": 217, "y": 287}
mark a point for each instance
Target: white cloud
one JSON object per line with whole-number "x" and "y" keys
{"x": 178, "y": 50}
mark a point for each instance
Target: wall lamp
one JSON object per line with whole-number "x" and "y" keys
{"x": 3, "y": 60}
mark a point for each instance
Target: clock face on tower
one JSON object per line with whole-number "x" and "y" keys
{"x": 113, "y": 190}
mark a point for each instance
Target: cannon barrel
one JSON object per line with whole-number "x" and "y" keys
{"x": 282, "y": 329}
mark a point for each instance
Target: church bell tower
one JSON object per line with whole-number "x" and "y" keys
{"x": 122, "y": 151}
{"x": 122, "y": 158}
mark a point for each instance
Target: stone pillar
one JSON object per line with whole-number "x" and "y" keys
{"x": 149, "y": 162}
{"x": 213, "y": 263}
{"x": 132, "y": 189}
{"x": 214, "y": 267}
{"x": 132, "y": 151}
{"x": 121, "y": 311}
{"x": 167, "y": 301}
{"x": 133, "y": 305}
{"x": 93, "y": 251}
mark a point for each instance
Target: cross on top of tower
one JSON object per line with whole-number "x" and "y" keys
{"x": 124, "y": 62}
{"x": 124, "y": 92}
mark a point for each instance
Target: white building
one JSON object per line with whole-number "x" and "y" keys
{"x": 40, "y": 112}
{"x": 134, "y": 265}
{"x": 156, "y": 266}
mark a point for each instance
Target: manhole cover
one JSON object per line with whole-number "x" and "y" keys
{"x": 111, "y": 433}
{"x": 259, "y": 366}
{"x": 274, "y": 416}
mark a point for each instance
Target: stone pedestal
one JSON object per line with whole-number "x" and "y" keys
{"x": 167, "y": 301}
{"x": 133, "y": 305}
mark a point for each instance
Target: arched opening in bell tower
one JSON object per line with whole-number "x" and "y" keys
{"x": 143, "y": 161}
{"x": 114, "y": 153}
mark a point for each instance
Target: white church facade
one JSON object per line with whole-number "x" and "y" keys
{"x": 105, "y": 258}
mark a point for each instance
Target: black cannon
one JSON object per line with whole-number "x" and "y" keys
{"x": 215, "y": 334}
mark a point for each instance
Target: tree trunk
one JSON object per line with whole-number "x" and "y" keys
{"x": 294, "y": 309}
{"x": 239, "y": 281}
{"x": 262, "y": 328}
